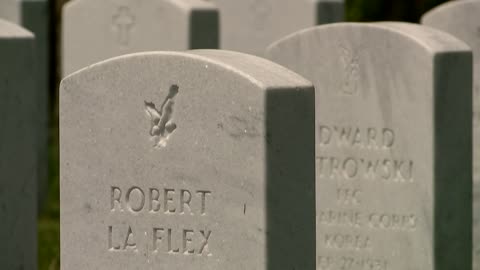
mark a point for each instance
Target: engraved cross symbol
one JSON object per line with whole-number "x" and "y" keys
{"x": 262, "y": 10}
{"x": 123, "y": 22}
{"x": 162, "y": 125}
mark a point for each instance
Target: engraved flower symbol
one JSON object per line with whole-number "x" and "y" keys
{"x": 162, "y": 125}
{"x": 351, "y": 66}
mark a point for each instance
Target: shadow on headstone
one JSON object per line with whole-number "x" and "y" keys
{"x": 461, "y": 19}
{"x": 290, "y": 201}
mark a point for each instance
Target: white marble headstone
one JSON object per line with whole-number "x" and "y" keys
{"x": 95, "y": 30}
{"x": 11, "y": 10}
{"x": 251, "y": 25}
{"x": 199, "y": 160}
{"x": 462, "y": 19}
{"x": 393, "y": 144}
{"x": 18, "y": 154}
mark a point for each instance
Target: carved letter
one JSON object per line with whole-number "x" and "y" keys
{"x": 110, "y": 241}
{"x": 324, "y": 135}
{"x": 115, "y": 196}
{"x": 344, "y": 136}
{"x": 323, "y": 165}
{"x": 127, "y": 243}
{"x": 357, "y": 138}
{"x": 204, "y": 245}
{"x": 185, "y": 199}
{"x": 350, "y": 168}
{"x": 203, "y": 195}
{"x": 157, "y": 237}
{"x": 388, "y": 138}
{"x": 404, "y": 170}
{"x": 186, "y": 241}
{"x": 154, "y": 199}
{"x": 170, "y": 248}
{"x": 166, "y": 199}
{"x": 142, "y": 199}
{"x": 372, "y": 138}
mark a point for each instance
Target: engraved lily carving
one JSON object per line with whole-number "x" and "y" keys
{"x": 162, "y": 125}
{"x": 351, "y": 65}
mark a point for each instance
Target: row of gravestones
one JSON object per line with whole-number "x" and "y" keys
{"x": 97, "y": 30}
{"x": 221, "y": 160}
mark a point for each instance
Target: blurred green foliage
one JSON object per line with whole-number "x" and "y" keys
{"x": 388, "y": 10}
{"x": 49, "y": 227}
{"x": 49, "y": 218}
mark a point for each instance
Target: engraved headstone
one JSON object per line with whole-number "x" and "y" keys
{"x": 393, "y": 144}
{"x": 18, "y": 159}
{"x": 462, "y": 19}
{"x": 34, "y": 15}
{"x": 251, "y": 25}
{"x": 198, "y": 160}
{"x": 96, "y": 30}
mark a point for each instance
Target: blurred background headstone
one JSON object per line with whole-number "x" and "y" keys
{"x": 18, "y": 148}
{"x": 251, "y": 25}
{"x": 95, "y": 30}
{"x": 34, "y": 15}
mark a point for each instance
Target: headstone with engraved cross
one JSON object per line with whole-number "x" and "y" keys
{"x": 198, "y": 160}
{"x": 393, "y": 145}
{"x": 34, "y": 15}
{"x": 462, "y": 19}
{"x": 19, "y": 124}
{"x": 97, "y": 30}
{"x": 251, "y": 25}
{"x": 123, "y": 22}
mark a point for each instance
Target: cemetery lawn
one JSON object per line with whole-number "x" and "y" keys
{"x": 49, "y": 218}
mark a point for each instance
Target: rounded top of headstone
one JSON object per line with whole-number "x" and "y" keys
{"x": 188, "y": 4}
{"x": 11, "y": 30}
{"x": 183, "y": 4}
{"x": 260, "y": 72}
{"x": 432, "y": 40}
{"x": 448, "y": 7}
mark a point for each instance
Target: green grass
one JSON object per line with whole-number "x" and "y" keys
{"x": 49, "y": 218}
{"x": 49, "y": 244}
